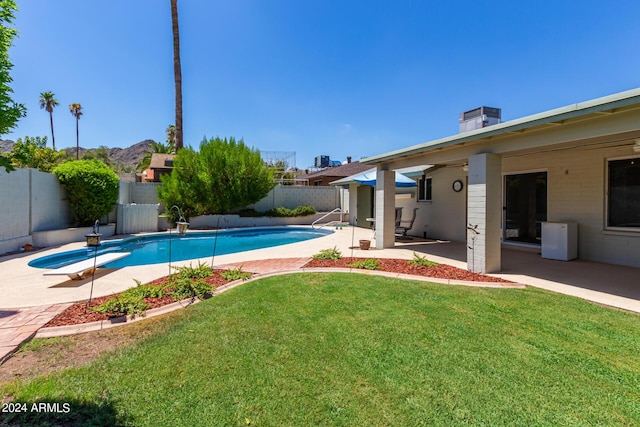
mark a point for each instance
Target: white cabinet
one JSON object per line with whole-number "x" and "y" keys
{"x": 560, "y": 240}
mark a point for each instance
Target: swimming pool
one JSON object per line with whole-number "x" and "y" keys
{"x": 155, "y": 248}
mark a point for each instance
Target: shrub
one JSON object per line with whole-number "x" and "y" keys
{"x": 92, "y": 188}
{"x": 34, "y": 153}
{"x": 367, "y": 264}
{"x": 332, "y": 254}
{"x": 123, "y": 305}
{"x": 146, "y": 291}
{"x": 186, "y": 288}
{"x": 224, "y": 175}
{"x": 201, "y": 271}
{"x": 285, "y": 212}
{"x": 235, "y": 274}
{"x": 421, "y": 261}
{"x": 304, "y": 210}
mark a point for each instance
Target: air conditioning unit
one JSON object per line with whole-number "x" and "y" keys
{"x": 479, "y": 118}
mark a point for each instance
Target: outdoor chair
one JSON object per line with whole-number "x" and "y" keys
{"x": 398, "y": 217}
{"x": 403, "y": 226}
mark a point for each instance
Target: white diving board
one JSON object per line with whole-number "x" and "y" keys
{"x": 81, "y": 268}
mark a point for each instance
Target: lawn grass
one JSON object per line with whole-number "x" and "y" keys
{"x": 338, "y": 349}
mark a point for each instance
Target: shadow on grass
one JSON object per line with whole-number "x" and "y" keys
{"x": 59, "y": 412}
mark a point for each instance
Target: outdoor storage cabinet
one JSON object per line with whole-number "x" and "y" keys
{"x": 560, "y": 240}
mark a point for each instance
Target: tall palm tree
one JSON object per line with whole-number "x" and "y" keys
{"x": 76, "y": 111}
{"x": 171, "y": 138}
{"x": 177, "y": 72}
{"x": 48, "y": 102}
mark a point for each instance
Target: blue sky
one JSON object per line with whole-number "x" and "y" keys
{"x": 339, "y": 78}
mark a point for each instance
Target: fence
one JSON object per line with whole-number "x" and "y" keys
{"x": 134, "y": 218}
{"x": 32, "y": 201}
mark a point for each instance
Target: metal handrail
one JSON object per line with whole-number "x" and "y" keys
{"x": 326, "y": 215}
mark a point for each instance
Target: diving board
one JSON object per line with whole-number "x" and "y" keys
{"x": 79, "y": 269}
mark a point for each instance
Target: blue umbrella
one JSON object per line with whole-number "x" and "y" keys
{"x": 369, "y": 178}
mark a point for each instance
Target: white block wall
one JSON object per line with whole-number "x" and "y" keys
{"x": 323, "y": 199}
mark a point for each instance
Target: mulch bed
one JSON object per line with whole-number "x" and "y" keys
{"x": 80, "y": 313}
{"x": 442, "y": 271}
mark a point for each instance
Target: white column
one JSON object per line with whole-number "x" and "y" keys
{"x": 385, "y": 209}
{"x": 484, "y": 197}
{"x": 353, "y": 205}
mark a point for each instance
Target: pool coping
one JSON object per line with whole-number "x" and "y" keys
{"x": 58, "y": 331}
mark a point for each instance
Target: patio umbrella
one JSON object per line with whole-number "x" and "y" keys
{"x": 369, "y": 178}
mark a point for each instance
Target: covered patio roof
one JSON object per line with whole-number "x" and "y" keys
{"x": 608, "y": 105}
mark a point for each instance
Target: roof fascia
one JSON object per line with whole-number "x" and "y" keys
{"x": 558, "y": 115}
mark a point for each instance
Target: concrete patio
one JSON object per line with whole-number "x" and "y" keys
{"x": 30, "y": 299}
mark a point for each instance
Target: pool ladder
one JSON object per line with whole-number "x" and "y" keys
{"x": 336, "y": 210}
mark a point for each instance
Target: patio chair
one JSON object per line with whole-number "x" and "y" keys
{"x": 403, "y": 226}
{"x": 398, "y": 217}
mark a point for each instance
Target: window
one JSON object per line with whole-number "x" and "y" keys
{"x": 424, "y": 189}
{"x": 624, "y": 193}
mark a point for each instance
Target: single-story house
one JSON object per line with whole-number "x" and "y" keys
{"x": 503, "y": 184}
{"x": 160, "y": 164}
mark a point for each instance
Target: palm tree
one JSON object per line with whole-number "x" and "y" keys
{"x": 48, "y": 102}
{"x": 76, "y": 111}
{"x": 177, "y": 72}
{"x": 171, "y": 138}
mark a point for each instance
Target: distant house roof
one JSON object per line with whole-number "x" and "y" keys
{"x": 338, "y": 172}
{"x": 161, "y": 161}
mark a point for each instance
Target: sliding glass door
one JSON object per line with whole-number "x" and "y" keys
{"x": 525, "y": 207}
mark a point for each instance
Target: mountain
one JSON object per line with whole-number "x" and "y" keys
{"x": 129, "y": 156}
{"x": 6, "y": 146}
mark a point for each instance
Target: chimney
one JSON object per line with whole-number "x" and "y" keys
{"x": 348, "y": 159}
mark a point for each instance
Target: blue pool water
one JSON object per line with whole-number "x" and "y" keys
{"x": 154, "y": 249}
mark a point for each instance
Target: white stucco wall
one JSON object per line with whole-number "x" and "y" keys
{"x": 576, "y": 191}
{"x": 49, "y": 205}
{"x": 323, "y": 199}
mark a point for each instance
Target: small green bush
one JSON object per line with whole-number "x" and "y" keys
{"x": 186, "y": 288}
{"x": 421, "y": 261}
{"x": 235, "y": 274}
{"x": 304, "y": 210}
{"x": 367, "y": 264}
{"x": 92, "y": 188}
{"x": 146, "y": 291}
{"x": 123, "y": 305}
{"x": 279, "y": 212}
{"x": 201, "y": 271}
{"x": 285, "y": 212}
{"x": 332, "y": 254}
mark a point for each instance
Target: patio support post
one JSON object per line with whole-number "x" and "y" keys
{"x": 353, "y": 206}
{"x": 385, "y": 208}
{"x": 484, "y": 201}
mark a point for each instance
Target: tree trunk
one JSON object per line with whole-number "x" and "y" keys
{"x": 77, "y": 141}
{"x": 53, "y": 138}
{"x": 177, "y": 73}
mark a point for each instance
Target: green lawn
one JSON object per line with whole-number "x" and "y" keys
{"x": 345, "y": 350}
